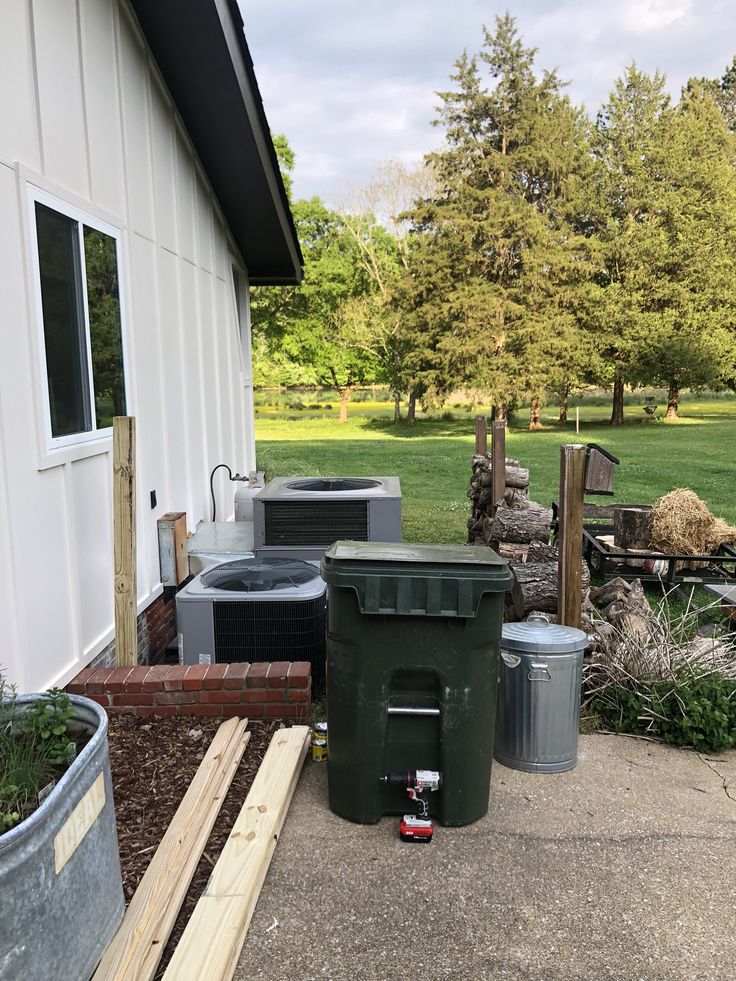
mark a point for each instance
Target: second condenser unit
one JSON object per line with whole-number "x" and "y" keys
{"x": 253, "y": 610}
{"x": 301, "y": 517}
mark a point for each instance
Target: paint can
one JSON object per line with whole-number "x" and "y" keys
{"x": 319, "y": 742}
{"x": 656, "y": 567}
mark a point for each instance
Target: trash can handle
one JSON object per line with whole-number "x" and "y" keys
{"x": 411, "y": 710}
{"x": 539, "y": 671}
{"x": 537, "y": 618}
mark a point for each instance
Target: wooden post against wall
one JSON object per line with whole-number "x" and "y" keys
{"x": 123, "y": 497}
{"x": 570, "y": 533}
{"x": 498, "y": 460}
{"x": 481, "y": 435}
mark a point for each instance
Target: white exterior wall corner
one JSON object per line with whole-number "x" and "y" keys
{"x": 85, "y": 116}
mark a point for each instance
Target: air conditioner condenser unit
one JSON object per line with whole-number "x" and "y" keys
{"x": 254, "y": 610}
{"x": 301, "y": 517}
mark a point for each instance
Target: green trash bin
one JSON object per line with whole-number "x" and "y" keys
{"x": 412, "y": 669}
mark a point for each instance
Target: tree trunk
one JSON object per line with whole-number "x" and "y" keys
{"x": 397, "y": 405}
{"x": 345, "y": 394}
{"x": 617, "y": 413}
{"x": 411, "y": 409}
{"x": 534, "y": 421}
{"x": 673, "y": 400}
{"x": 530, "y": 524}
{"x": 535, "y": 586}
{"x": 565, "y": 395}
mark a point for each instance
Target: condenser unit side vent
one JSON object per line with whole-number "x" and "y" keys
{"x": 316, "y": 523}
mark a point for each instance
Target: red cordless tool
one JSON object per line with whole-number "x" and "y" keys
{"x": 418, "y": 785}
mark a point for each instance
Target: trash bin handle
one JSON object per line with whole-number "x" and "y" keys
{"x": 537, "y": 618}
{"x": 411, "y": 710}
{"x": 539, "y": 671}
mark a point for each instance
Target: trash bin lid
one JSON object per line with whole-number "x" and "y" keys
{"x": 542, "y": 638}
{"x": 416, "y": 579}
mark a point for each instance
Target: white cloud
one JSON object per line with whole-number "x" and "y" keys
{"x": 353, "y": 85}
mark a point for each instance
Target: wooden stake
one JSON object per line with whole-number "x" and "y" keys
{"x": 570, "y": 533}
{"x": 498, "y": 462}
{"x": 135, "y": 951}
{"x": 211, "y": 943}
{"x": 577, "y": 420}
{"x": 123, "y": 497}
{"x": 481, "y": 435}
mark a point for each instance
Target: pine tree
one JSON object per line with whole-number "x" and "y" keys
{"x": 625, "y": 141}
{"x": 494, "y": 247}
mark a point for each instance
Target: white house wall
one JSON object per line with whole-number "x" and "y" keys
{"x": 85, "y": 116}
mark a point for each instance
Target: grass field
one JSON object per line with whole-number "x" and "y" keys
{"x": 433, "y": 458}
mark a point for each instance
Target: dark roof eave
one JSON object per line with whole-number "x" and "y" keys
{"x": 201, "y": 51}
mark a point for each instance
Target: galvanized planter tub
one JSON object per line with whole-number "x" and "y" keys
{"x": 61, "y": 893}
{"x": 538, "y": 711}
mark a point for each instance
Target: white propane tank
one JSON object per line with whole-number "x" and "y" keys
{"x": 244, "y": 494}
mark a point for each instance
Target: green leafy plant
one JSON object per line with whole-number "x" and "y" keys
{"x": 35, "y": 746}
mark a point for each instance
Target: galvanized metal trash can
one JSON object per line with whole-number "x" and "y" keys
{"x": 538, "y": 711}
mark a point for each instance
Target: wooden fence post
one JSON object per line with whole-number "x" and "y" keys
{"x": 498, "y": 461}
{"x": 481, "y": 435}
{"x": 123, "y": 468}
{"x": 570, "y": 533}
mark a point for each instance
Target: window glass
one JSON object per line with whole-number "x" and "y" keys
{"x": 63, "y": 321}
{"x": 103, "y": 304}
{"x": 79, "y": 273}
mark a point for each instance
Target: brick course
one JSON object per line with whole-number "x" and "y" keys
{"x": 260, "y": 691}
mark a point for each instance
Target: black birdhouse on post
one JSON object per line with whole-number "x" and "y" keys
{"x": 600, "y": 466}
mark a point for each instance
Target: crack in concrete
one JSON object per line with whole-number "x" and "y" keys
{"x": 720, "y": 776}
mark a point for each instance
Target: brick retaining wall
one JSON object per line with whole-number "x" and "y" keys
{"x": 277, "y": 690}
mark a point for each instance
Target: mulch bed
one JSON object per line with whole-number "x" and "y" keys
{"x": 153, "y": 762}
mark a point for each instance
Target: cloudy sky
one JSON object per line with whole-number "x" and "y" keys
{"x": 353, "y": 85}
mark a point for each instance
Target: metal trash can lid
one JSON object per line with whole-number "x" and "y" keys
{"x": 542, "y": 638}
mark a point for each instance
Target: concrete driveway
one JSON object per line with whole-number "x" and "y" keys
{"x": 623, "y": 868}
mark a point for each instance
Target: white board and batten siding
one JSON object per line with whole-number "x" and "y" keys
{"x": 85, "y": 117}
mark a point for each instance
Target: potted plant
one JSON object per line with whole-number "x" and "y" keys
{"x": 61, "y": 896}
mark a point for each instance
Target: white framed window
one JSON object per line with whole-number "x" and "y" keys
{"x": 77, "y": 282}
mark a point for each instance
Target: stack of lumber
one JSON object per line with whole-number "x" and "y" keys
{"x": 211, "y": 943}
{"x": 135, "y": 950}
{"x": 515, "y": 495}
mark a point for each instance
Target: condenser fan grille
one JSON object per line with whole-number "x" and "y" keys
{"x": 332, "y": 484}
{"x": 315, "y": 523}
{"x": 259, "y": 575}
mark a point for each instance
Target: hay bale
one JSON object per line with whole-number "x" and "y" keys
{"x": 682, "y": 524}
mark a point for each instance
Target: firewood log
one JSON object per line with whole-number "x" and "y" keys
{"x": 632, "y": 528}
{"x": 522, "y": 525}
{"x": 535, "y": 586}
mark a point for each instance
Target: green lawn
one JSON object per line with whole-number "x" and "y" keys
{"x": 433, "y": 458}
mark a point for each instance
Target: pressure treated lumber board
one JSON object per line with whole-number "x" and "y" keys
{"x": 136, "y": 949}
{"x": 211, "y": 943}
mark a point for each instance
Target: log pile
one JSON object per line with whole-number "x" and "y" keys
{"x": 624, "y": 608}
{"x": 516, "y": 495}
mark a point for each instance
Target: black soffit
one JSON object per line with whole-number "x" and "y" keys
{"x": 203, "y": 56}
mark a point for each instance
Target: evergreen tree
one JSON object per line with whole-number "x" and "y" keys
{"x": 493, "y": 245}
{"x": 625, "y": 141}
{"x": 689, "y": 302}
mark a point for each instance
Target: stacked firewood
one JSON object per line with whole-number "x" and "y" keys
{"x": 519, "y": 530}
{"x": 516, "y": 495}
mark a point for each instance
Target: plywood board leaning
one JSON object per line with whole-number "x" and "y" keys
{"x": 211, "y": 943}
{"x": 135, "y": 951}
